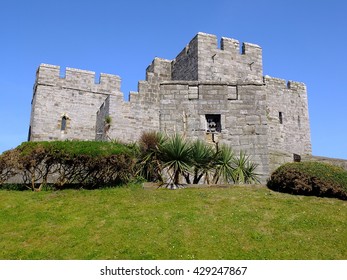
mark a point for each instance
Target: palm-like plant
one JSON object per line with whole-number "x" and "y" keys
{"x": 177, "y": 157}
{"x": 202, "y": 156}
{"x": 175, "y": 154}
{"x": 244, "y": 170}
{"x": 224, "y": 165}
{"x": 252, "y": 176}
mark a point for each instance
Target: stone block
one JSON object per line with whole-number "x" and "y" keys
{"x": 232, "y": 93}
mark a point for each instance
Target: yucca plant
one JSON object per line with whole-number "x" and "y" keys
{"x": 202, "y": 156}
{"x": 224, "y": 165}
{"x": 244, "y": 170}
{"x": 175, "y": 154}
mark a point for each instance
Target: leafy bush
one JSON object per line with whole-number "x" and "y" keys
{"x": 90, "y": 164}
{"x": 84, "y": 164}
{"x": 149, "y": 165}
{"x": 8, "y": 165}
{"x": 310, "y": 178}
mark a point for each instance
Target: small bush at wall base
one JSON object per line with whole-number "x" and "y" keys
{"x": 310, "y": 178}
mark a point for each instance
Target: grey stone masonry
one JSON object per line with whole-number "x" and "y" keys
{"x": 215, "y": 94}
{"x": 75, "y": 98}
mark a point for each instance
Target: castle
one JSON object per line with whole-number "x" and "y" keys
{"x": 216, "y": 94}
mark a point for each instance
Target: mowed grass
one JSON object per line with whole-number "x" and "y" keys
{"x": 209, "y": 223}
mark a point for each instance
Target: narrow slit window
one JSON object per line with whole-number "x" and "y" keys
{"x": 280, "y": 116}
{"x": 63, "y": 123}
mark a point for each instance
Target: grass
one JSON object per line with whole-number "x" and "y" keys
{"x": 209, "y": 223}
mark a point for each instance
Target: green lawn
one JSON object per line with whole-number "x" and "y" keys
{"x": 132, "y": 223}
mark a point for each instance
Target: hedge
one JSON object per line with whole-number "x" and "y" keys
{"x": 60, "y": 164}
{"x": 310, "y": 178}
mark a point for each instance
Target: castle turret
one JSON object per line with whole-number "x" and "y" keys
{"x": 202, "y": 60}
{"x": 65, "y": 107}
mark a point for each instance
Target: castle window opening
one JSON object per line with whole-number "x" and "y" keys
{"x": 297, "y": 158}
{"x": 213, "y": 123}
{"x": 29, "y": 134}
{"x": 280, "y": 116}
{"x": 63, "y": 123}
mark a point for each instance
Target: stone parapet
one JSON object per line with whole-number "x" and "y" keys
{"x": 77, "y": 79}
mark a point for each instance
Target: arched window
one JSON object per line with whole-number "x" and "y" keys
{"x": 63, "y": 123}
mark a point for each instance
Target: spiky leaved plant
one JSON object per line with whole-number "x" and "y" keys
{"x": 224, "y": 165}
{"x": 202, "y": 160}
{"x": 244, "y": 170}
{"x": 175, "y": 154}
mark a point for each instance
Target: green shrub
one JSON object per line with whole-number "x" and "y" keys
{"x": 61, "y": 164}
{"x": 310, "y": 178}
{"x": 8, "y": 165}
{"x": 75, "y": 148}
{"x": 149, "y": 165}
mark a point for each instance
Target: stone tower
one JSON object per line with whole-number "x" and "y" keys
{"x": 216, "y": 94}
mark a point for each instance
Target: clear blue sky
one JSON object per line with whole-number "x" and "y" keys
{"x": 302, "y": 40}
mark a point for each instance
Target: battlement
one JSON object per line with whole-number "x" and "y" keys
{"x": 77, "y": 79}
{"x": 284, "y": 84}
{"x": 159, "y": 68}
{"x": 202, "y": 59}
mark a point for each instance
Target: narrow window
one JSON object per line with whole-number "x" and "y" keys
{"x": 63, "y": 123}
{"x": 213, "y": 123}
{"x": 29, "y": 133}
{"x": 280, "y": 116}
{"x": 299, "y": 122}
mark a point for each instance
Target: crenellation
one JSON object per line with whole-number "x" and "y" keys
{"x": 48, "y": 74}
{"x": 110, "y": 82}
{"x": 296, "y": 86}
{"x": 230, "y": 45}
{"x": 160, "y": 66}
{"x": 77, "y": 79}
{"x": 251, "y": 49}
{"x": 284, "y": 85}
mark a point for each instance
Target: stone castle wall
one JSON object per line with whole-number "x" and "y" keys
{"x": 263, "y": 116}
{"x": 75, "y": 97}
{"x": 288, "y": 120}
{"x": 242, "y": 124}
